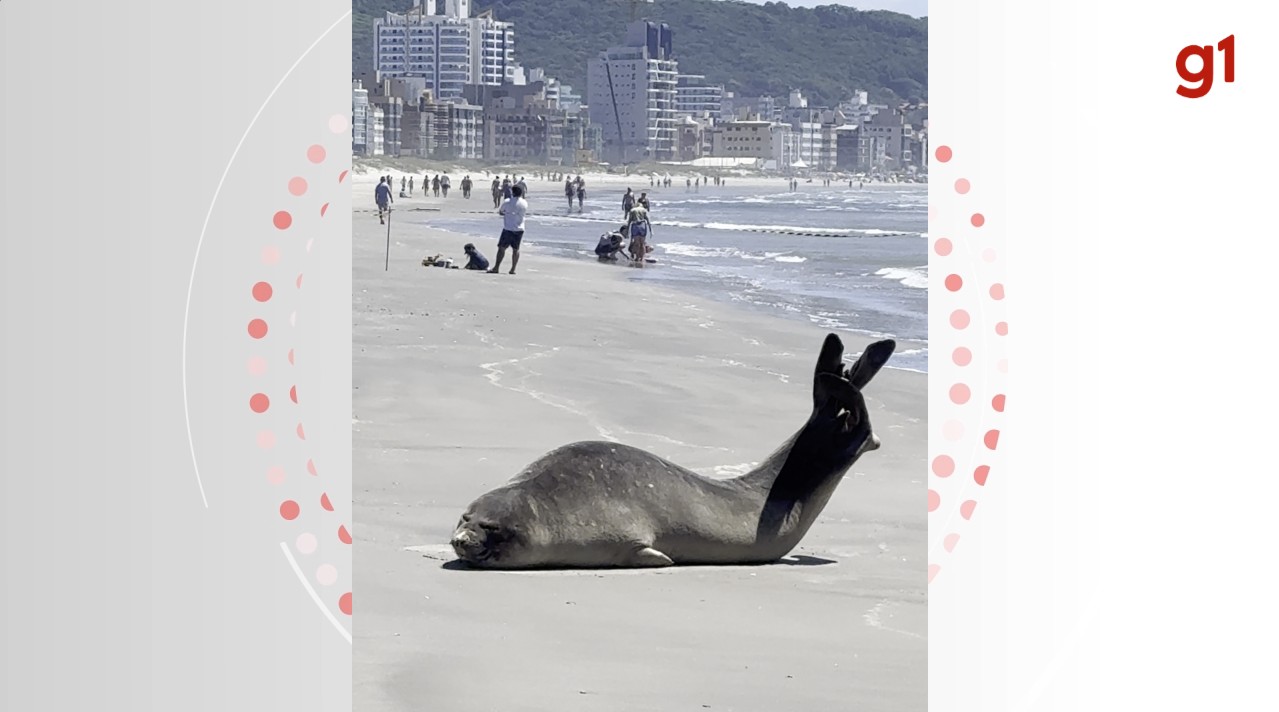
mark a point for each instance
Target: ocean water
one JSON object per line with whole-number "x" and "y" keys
{"x": 847, "y": 259}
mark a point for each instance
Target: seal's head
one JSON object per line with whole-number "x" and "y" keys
{"x": 485, "y": 535}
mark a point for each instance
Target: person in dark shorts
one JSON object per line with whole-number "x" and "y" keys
{"x": 513, "y": 212}
{"x": 475, "y": 260}
{"x": 383, "y": 197}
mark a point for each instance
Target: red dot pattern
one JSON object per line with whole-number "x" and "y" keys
{"x": 970, "y": 297}
{"x": 299, "y": 191}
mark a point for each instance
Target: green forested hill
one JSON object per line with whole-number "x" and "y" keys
{"x": 752, "y": 49}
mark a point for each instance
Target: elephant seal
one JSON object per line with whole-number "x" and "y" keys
{"x": 603, "y": 504}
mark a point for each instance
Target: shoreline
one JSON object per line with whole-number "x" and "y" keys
{"x": 593, "y": 175}
{"x": 532, "y": 248}
{"x": 456, "y": 206}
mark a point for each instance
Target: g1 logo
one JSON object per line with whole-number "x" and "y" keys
{"x": 1202, "y": 79}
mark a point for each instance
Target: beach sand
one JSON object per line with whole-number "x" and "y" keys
{"x": 461, "y": 379}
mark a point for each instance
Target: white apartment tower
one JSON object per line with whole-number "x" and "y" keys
{"x": 361, "y": 126}
{"x": 631, "y": 95}
{"x": 695, "y": 97}
{"x": 447, "y": 51}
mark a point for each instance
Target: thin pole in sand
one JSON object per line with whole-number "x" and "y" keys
{"x": 388, "y": 241}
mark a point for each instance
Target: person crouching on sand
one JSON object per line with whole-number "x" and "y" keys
{"x": 475, "y": 260}
{"x": 609, "y": 245}
{"x": 513, "y": 212}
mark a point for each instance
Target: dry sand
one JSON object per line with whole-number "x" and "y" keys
{"x": 464, "y": 378}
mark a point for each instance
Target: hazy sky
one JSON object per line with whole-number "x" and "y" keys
{"x": 917, "y": 8}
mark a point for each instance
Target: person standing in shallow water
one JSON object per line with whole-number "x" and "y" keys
{"x": 513, "y": 212}
{"x": 497, "y": 193}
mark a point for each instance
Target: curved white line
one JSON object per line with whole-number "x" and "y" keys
{"x": 186, "y": 314}
{"x": 314, "y": 596}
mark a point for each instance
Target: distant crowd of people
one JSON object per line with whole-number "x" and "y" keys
{"x": 633, "y": 239}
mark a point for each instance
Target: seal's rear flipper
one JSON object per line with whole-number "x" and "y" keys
{"x": 831, "y": 361}
{"x": 648, "y": 557}
{"x": 871, "y": 360}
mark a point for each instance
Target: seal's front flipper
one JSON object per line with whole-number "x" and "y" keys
{"x": 649, "y": 557}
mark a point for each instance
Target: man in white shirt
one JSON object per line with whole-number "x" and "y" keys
{"x": 513, "y": 212}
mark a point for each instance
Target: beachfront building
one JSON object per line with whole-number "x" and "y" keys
{"x": 360, "y": 119}
{"x": 809, "y": 138}
{"x": 392, "y": 110}
{"x": 741, "y": 107}
{"x": 552, "y": 86}
{"x": 377, "y": 136}
{"x": 443, "y": 129}
{"x": 524, "y": 135}
{"x": 582, "y": 142}
{"x": 689, "y": 135}
{"x": 889, "y": 127}
{"x": 631, "y": 90}
{"x": 570, "y": 100}
{"x": 768, "y": 141}
{"x": 445, "y": 51}
{"x": 857, "y": 150}
{"x": 696, "y": 97}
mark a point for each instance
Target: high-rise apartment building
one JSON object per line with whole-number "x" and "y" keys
{"x": 446, "y": 50}
{"x": 631, "y": 95}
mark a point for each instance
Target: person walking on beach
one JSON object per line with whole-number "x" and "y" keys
{"x": 404, "y": 182}
{"x": 466, "y": 187}
{"x": 628, "y": 202}
{"x": 435, "y": 186}
{"x": 410, "y": 186}
{"x": 569, "y": 192}
{"x": 506, "y": 188}
{"x": 523, "y": 187}
{"x": 497, "y": 193}
{"x": 581, "y": 194}
{"x": 382, "y": 194}
{"x": 513, "y": 212}
{"x": 643, "y": 200}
